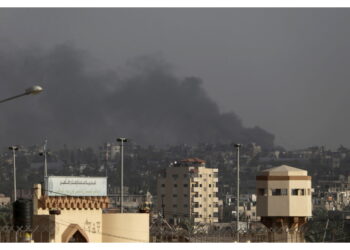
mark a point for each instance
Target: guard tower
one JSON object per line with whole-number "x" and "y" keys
{"x": 284, "y": 202}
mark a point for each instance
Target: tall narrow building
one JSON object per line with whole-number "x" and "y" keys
{"x": 188, "y": 190}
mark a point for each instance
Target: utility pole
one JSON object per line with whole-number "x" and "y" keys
{"x": 45, "y": 158}
{"x": 121, "y": 140}
{"x": 14, "y": 149}
{"x": 237, "y": 146}
{"x": 163, "y": 207}
{"x": 44, "y": 153}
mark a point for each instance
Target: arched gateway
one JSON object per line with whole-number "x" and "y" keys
{"x": 74, "y": 233}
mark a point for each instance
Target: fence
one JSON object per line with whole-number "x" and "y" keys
{"x": 23, "y": 234}
{"x": 161, "y": 233}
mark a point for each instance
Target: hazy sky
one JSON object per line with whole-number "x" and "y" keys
{"x": 285, "y": 70}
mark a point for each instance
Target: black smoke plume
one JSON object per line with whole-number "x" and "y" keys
{"x": 148, "y": 103}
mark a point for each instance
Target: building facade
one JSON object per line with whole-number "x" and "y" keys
{"x": 82, "y": 217}
{"x": 188, "y": 191}
{"x": 284, "y": 201}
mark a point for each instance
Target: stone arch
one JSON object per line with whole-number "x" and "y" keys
{"x": 74, "y": 230}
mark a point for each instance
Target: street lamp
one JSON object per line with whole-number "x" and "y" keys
{"x": 14, "y": 149}
{"x": 121, "y": 140}
{"x": 237, "y": 146}
{"x": 44, "y": 153}
{"x": 29, "y": 91}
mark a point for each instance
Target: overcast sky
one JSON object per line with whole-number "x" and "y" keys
{"x": 285, "y": 70}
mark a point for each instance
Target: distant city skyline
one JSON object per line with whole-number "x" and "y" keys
{"x": 284, "y": 70}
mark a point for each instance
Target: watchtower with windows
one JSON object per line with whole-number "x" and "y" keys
{"x": 284, "y": 200}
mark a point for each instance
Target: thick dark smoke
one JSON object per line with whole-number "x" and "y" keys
{"x": 82, "y": 107}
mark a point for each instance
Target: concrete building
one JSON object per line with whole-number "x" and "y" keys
{"x": 188, "y": 190}
{"x": 284, "y": 201}
{"x": 82, "y": 217}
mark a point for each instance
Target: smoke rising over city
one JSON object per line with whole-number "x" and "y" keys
{"x": 144, "y": 101}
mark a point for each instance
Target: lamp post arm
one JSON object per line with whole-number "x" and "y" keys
{"x": 13, "y": 97}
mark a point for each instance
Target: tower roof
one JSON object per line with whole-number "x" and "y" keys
{"x": 193, "y": 160}
{"x": 284, "y": 170}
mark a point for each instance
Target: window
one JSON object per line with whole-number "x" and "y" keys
{"x": 210, "y": 175}
{"x": 200, "y": 185}
{"x": 276, "y": 191}
{"x": 200, "y": 175}
{"x": 210, "y": 185}
{"x": 174, "y": 195}
{"x": 185, "y": 205}
{"x": 209, "y": 205}
{"x": 175, "y": 185}
{"x": 261, "y": 191}
{"x": 174, "y": 205}
{"x": 185, "y": 175}
{"x": 163, "y": 185}
{"x": 185, "y": 195}
{"x": 279, "y": 191}
{"x": 209, "y": 195}
{"x": 298, "y": 191}
{"x": 185, "y": 185}
{"x": 284, "y": 191}
{"x": 175, "y": 176}
{"x": 209, "y": 215}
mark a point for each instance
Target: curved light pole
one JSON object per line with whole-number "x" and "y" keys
{"x": 121, "y": 140}
{"x": 36, "y": 89}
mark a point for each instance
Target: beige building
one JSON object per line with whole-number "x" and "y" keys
{"x": 82, "y": 219}
{"x": 188, "y": 190}
{"x": 284, "y": 200}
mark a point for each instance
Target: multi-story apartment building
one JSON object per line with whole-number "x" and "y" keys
{"x": 188, "y": 190}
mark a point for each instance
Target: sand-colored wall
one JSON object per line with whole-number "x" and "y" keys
{"x": 89, "y": 220}
{"x": 288, "y": 205}
{"x": 126, "y": 227}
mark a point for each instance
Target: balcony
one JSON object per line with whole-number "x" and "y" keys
{"x": 196, "y": 209}
{"x": 197, "y": 219}
{"x": 196, "y": 199}
{"x": 215, "y": 209}
{"x": 195, "y": 189}
{"x": 196, "y": 179}
{"x": 215, "y": 179}
{"x": 215, "y": 189}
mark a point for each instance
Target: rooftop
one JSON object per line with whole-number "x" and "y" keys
{"x": 284, "y": 170}
{"x": 193, "y": 160}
